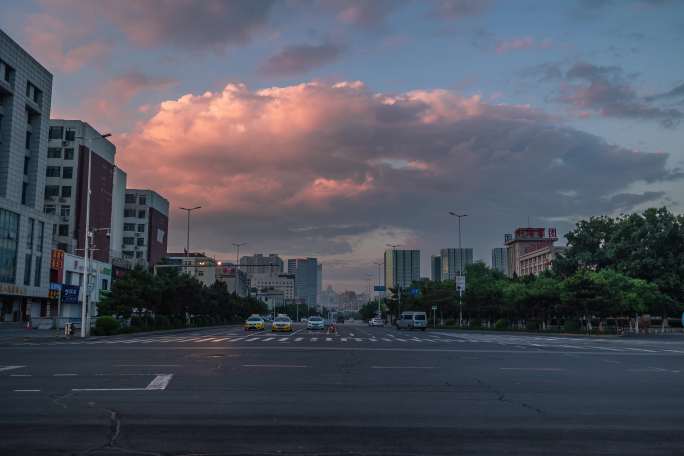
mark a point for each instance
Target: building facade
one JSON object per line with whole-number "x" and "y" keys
{"x": 526, "y": 240}
{"x": 436, "y": 268}
{"x": 284, "y": 283}
{"x": 197, "y": 265}
{"x": 72, "y": 145}
{"x": 261, "y": 264}
{"x": 145, "y": 227}
{"x": 99, "y": 281}
{"x": 537, "y": 261}
{"x": 454, "y": 262}
{"x": 499, "y": 260}
{"x": 402, "y": 268}
{"x": 25, "y": 230}
{"x": 225, "y": 272}
{"x": 305, "y": 271}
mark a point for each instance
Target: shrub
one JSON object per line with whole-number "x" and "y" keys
{"x": 501, "y": 324}
{"x": 532, "y": 325}
{"x": 162, "y": 322}
{"x": 475, "y": 324}
{"x": 570, "y": 326}
{"x": 450, "y": 322}
{"x": 106, "y": 325}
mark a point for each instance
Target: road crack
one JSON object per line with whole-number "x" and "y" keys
{"x": 502, "y": 397}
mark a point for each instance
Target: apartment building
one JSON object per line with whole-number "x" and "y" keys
{"x": 145, "y": 227}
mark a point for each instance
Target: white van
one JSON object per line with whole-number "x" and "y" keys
{"x": 412, "y": 320}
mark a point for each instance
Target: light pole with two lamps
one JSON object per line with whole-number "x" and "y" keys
{"x": 460, "y": 267}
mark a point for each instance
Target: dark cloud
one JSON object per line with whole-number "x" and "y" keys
{"x": 301, "y": 58}
{"x": 676, "y": 93}
{"x": 630, "y": 200}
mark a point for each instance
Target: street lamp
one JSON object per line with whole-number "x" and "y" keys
{"x": 237, "y": 245}
{"x": 460, "y": 267}
{"x": 378, "y": 264}
{"x": 187, "y": 241}
{"x": 87, "y": 234}
{"x": 394, "y": 276}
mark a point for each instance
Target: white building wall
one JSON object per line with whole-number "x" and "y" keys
{"x": 118, "y": 196}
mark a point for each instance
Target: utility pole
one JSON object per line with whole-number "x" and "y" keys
{"x": 187, "y": 241}
{"x": 395, "y": 275}
{"x": 379, "y": 298}
{"x": 460, "y": 267}
{"x": 237, "y": 245}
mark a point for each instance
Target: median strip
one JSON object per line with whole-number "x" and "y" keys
{"x": 278, "y": 366}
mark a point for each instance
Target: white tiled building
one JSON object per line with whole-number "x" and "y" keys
{"x": 284, "y": 283}
{"x": 25, "y": 231}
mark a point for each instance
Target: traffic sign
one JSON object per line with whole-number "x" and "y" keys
{"x": 379, "y": 288}
{"x": 434, "y": 307}
{"x": 460, "y": 282}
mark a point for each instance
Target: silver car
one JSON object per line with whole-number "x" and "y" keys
{"x": 412, "y": 320}
{"x": 315, "y": 323}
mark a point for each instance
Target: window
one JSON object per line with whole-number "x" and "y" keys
{"x": 65, "y": 211}
{"x": 141, "y": 228}
{"x": 6, "y": 72}
{"x": 68, "y": 154}
{"x": 63, "y": 230}
{"x": 130, "y": 199}
{"x": 53, "y": 171}
{"x": 141, "y": 214}
{"x": 36, "y": 277}
{"x": 50, "y": 209}
{"x": 29, "y": 234}
{"x": 62, "y": 245}
{"x": 128, "y": 241}
{"x": 41, "y": 235}
{"x": 9, "y": 233}
{"x": 70, "y": 135}
{"x": 28, "y": 139}
{"x": 27, "y": 269}
{"x": 54, "y": 152}
{"x": 105, "y": 284}
{"x": 33, "y": 93}
{"x": 27, "y": 160}
{"x": 129, "y": 213}
{"x": 138, "y": 254}
{"x": 66, "y": 192}
{"x": 24, "y": 193}
{"x": 69, "y": 278}
{"x": 67, "y": 172}
{"x": 141, "y": 200}
{"x": 141, "y": 241}
{"x": 127, "y": 254}
{"x": 56, "y": 133}
{"x": 51, "y": 191}
{"x": 129, "y": 226}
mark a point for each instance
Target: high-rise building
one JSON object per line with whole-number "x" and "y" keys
{"x": 284, "y": 283}
{"x": 305, "y": 271}
{"x": 145, "y": 227}
{"x": 523, "y": 242}
{"x": 25, "y": 230}
{"x": 499, "y": 260}
{"x": 402, "y": 268}
{"x": 260, "y": 264}
{"x": 436, "y": 268}
{"x": 454, "y": 262}
{"x": 319, "y": 282}
{"x": 71, "y": 145}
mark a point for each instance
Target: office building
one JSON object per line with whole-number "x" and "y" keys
{"x": 284, "y": 283}
{"x": 524, "y": 241}
{"x": 305, "y": 271}
{"x": 260, "y": 264}
{"x": 402, "y": 268}
{"x": 537, "y": 261}
{"x": 195, "y": 264}
{"x": 436, "y": 268}
{"x": 454, "y": 262}
{"x": 225, "y": 273}
{"x": 72, "y": 144}
{"x": 25, "y": 230}
{"x": 499, "y": 260}
{"x": 145, "y": 227}
{"x": 319, "y": 282}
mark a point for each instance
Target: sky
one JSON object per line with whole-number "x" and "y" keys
{"x": 331, "y": 128}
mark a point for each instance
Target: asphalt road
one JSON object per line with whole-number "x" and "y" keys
{"x": 367, "y": 391}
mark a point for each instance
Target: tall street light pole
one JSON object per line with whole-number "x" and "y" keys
{"x": 84, "y": 285}
{"x": 378, "y": 265}
{"x": 237, "y": 245}
{"x": 187, "y": 241}
{"x": 460, "y": 267}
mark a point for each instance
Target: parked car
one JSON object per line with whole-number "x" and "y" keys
{"x": 376, "y": 321}
{"x": 315, "y": 323}
{"x": 412, "y": 320}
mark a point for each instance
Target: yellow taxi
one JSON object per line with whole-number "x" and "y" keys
{"x": 254, "y": 322}
{"x": 282, "y": 323}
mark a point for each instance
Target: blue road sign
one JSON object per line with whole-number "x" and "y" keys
{"x": 70, "y": 294}
{"x": 379, "y": 288}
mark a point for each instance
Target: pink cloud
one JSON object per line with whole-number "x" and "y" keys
{"x": 514, "y": 44}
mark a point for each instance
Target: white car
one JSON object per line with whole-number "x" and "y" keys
{"x": 376, "y": 321}
{"x": 315, "y": 323}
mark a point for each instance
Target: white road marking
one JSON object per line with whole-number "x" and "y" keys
{"x": 300, "y": 366}
{"x": 328, "y": 339}
{"x": 64, "y": 375}
{"x": 146, "y": 365}
{"x": 402, "y": 367}
{"x": 236, "y": 339}
{"x": 351, "y": 334}
{"x": 160, "y": 382}
{"x": 358, "y": 339}
{"x": 26, "y": 390}
{"x": 283, "y": 339}
{"x": 20, "y": 375}
{"x": 542, "y": 369}
{"x": 7, "y": 368}
{"x": 313, "y": 339}
{"x": 386, "y": 339}
{"x": 640, "y": 349}
{"x": 343, "y": 339}
{"x": 269, "y": 338}
{"x": 251, "y": 339}
{"x": 221, "y": 339}
{"x": 299, "y": 339}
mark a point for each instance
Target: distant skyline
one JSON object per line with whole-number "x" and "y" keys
{"x": 326, "y": 128}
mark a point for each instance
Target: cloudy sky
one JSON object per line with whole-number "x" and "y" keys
{"x": 329, "y": 128}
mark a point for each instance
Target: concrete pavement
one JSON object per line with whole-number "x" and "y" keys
{"x": 360, "y": 391}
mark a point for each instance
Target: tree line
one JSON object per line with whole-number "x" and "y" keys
{"x": 613, "y": 270}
